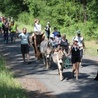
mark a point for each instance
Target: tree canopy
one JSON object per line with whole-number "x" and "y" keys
{"x": 61, "y": 13}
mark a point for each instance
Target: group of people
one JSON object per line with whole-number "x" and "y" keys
{"x": 8, "y": 27}
{"x": 75, "y": 50}
{"x": 55, "y": 39}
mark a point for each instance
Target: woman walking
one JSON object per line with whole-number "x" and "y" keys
{"x": 75, "y": 57}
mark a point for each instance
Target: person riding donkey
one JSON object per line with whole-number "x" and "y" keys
{"x": 37, "y": 37}
{"x": 55, "y": 39}
{"x": 64, "y": 43}
{"x": 37, "y": 29}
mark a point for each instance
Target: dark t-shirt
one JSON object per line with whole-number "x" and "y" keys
{"x": 47, "y": 29}
{"x": 5, "y": 28}
{"x": 75, "y": 52}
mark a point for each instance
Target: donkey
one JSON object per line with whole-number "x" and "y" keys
{"x": 58, "y": 58}
{"x": 46, "y": 51}
{"x": 37, "y": 39}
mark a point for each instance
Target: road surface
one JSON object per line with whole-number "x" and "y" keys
{"x": 37, "y": 80}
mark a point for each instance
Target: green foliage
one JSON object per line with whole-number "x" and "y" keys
{"x": 61, "y": 13}
{"x": 25, "y": 18}
{"x": 12, "y": 7}
{"x": 9, "y": 88}
{"x": 88, "y": 30}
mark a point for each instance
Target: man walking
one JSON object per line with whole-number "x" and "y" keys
{"x": 25, "y": 45}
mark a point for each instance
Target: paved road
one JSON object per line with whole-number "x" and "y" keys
{"x": 86, "y": 87}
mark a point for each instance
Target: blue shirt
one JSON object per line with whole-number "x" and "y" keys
{"x": 24, "y": 38}
{"x": 56, "y": 33}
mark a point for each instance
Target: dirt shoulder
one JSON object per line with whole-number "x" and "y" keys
{"x": 35, "y": 89}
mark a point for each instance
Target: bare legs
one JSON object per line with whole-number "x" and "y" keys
{"x": 76, "y": 68}
{"x": 27, "y": 55}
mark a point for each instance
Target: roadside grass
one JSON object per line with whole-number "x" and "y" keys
{"x": 9, "y": 87}
{"x": 91, "y": 48}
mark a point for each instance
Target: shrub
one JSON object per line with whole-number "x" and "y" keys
{"x": 26, "y": 18}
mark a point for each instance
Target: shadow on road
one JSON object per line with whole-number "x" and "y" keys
{"x": 86, "y": 87}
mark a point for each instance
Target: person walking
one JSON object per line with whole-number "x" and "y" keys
{"x": 5, "y": 28}
{"x": 13, "y": 30}
{"x": 25, "y": 44}
{"x": 6, "y": 32}
{"x": 1, "y": 24}
{"x": 81, "y": 44}
{"x": 75, "y": 57}
{"x": 48, "y": 30}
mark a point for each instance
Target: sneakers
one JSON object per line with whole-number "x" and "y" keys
{"x": 77, "y": 78}
{"x": 72, "y": 75}
{"x": 29, "y": 62}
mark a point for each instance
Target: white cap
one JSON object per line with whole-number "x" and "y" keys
{"x": 52, "y": 35}
{"x": 48, "y": 22}
{"x": 75, "y": 39}
{"x": 78, "y": 32}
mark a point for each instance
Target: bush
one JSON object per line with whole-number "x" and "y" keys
{"x": 26, "y": 18}
{"x": 88, "y": 30}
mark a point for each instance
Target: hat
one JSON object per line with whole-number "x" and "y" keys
{"x": 52, "y": 35}
{"x": 78, "y": 32}
{"x": 48, "y": 22}
{"x": 75, "y": 39}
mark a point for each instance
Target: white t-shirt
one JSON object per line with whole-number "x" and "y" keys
{"x": 24, "y": 38}
{"x": 37, "y": 27}
{"x": 57, "y": 40}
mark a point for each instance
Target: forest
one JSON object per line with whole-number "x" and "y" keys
{"x": 67, "y": 15}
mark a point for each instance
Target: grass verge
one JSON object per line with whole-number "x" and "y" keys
{"x": 9, "y": 87}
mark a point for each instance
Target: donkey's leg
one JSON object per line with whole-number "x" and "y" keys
{"x": 60, "y": 68}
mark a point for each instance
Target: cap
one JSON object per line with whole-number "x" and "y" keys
{"x": 48, "y": 22}
{"x": 78, "y": 32}
{"x": 52, "y": 35}
{"x": 75, "y": 39}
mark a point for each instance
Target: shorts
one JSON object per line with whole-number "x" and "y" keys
{"x": 24, "y": 48}
{"x": 13, "y": 34}
{"x": 75, "y": 59}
